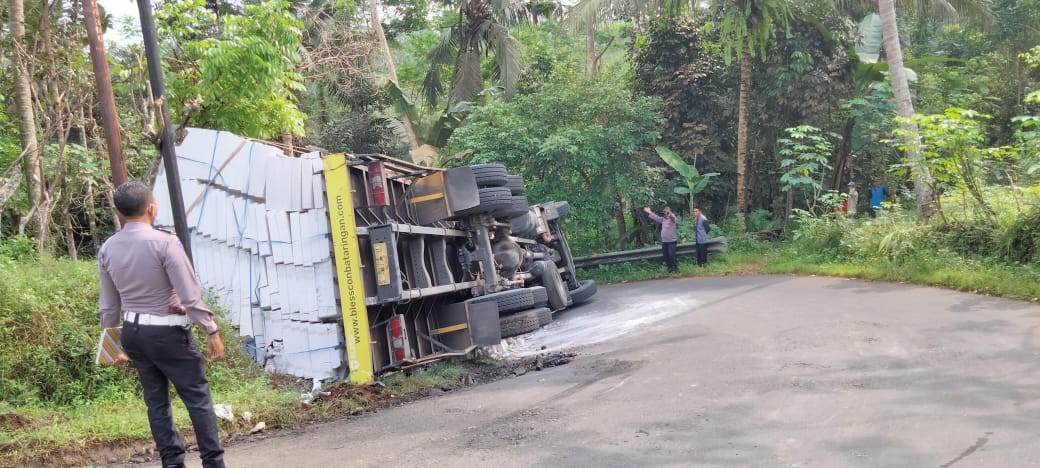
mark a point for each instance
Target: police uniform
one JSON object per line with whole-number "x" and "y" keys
{"x": 145, "y": 271}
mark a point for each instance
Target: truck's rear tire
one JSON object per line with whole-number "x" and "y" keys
{"x": 559, "y": 295}
{"x": 544, "y": 316}
{"x": 541, "y": 297}
{"x": 584, "y": 292}
{"x": 518, "y": 207}
{"x": 508, "y": 301}
{"x": 491, "y": 199}
{"x": 489, "y": 175}
{"x": 515, "y": 184}
{"x": 518, "y": 324}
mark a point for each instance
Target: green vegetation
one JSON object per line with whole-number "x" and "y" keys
{"x": 53, "y": 398}
{"x": 575, "y": 98}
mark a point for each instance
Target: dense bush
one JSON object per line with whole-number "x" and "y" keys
{"x": 48, "y": 337}
{"x": 48, "y": 333}
{"x": 1011, "y": 236}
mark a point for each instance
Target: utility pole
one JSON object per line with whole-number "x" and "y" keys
{"x": 166, "y": 143}
{"x": 106, "y": 99}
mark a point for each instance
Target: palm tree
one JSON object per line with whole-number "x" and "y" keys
{"x": 747, "y": 27}
{"x": 27, "y": 123}
{"x": 377, "y": 26}
{"x": 900, "y": 86}
{"x": 584, "y": 16}
{"x": 482, "y": 30}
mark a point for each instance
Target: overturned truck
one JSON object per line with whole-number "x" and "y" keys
{"x": 335, "y": 266}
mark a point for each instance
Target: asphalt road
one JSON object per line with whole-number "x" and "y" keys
{"x": 735, "y": 371}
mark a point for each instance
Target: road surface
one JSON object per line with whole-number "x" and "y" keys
{"x": 733, "y": 371}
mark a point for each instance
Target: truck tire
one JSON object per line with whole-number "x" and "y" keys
{"x": 508, "y": 301}
{"x": 544, "y": 316}
{"x": 559, "y": 295}
{"x": 518, "y": 324}
{"x": 515, "y": 184}
{"x": 584, "y": 292}
{"x": 541, "y": 297}
{"x": 518, "y": 207}
{"x": 489, "y": 175}
{"x": 491, "y": 199}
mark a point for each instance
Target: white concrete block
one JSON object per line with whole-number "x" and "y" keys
{"x": 297, "y": 238}
{"x": 306, "y": 185}
{"x": 295, "y": 184}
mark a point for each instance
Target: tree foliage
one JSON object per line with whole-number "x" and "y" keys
{"x": 243, "y": 67}
{"x": 582, "y": 139}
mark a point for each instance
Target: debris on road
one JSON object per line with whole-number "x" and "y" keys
{"x": 258, "y": 428}
{"x": 224, "y": 412}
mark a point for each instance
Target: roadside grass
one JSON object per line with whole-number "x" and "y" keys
{"x": 46, "y": 432}
{"x": 936, "y": 268}
{"x": 940, "y": 268}
{"x": 438, "y": 375}
{"x": 58, "y": 409}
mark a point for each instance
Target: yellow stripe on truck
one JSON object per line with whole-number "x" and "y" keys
{"x": 423, "y": 198}
{"x": 348, "y": 269}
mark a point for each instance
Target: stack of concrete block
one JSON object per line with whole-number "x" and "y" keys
{"x": 260, "y": 239}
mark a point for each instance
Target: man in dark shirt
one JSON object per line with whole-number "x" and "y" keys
{"x": 146, "y": 273}
{"x": 701, "y": 227}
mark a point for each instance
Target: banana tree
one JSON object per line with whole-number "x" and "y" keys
{"x": 695, "y": 181}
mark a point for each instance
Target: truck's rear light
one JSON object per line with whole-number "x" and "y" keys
{"x": 398, "y": 334}
{"x": 378, "y": 182}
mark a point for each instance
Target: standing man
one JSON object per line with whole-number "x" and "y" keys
{"x": 701, "y": 227}
{"x": 877, "y": 197}
{"x": 146, "y": 272}
{"x": 853, "y": 200}
{"x": 668, "y": 238}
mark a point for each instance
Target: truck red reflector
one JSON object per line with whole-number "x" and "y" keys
{"x": 397, "y": 334}
{"x": 378, "y": 182}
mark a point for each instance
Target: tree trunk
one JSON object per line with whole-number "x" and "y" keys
{"x": 788, "y": 209}
{"x": 377, "y": 25}
{"x": 591, "y": 58}
{"x": 904, "y": 105}
{"x": 106, "y": 98}
{"x": 90, "y": 207}
{"x": 843, "y": 164}
{"x": 742, "y": 128}
{"x": 70, "y": 235}
{"x": 26, "y": 116}
{"x": 619, "y": 219}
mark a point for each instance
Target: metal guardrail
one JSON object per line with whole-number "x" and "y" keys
{"x": 717, "y": 244}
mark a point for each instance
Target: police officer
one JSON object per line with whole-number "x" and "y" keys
{"x": 146, "y": 273}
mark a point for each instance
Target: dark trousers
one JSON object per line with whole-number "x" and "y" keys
{"x": 164, "y": 355}
{"x": 670, "y": 259}
{"x": 702, "y": 254}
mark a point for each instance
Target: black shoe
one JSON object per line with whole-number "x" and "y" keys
{"x": 178, "y": 465}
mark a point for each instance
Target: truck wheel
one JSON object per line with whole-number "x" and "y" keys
{"x": 518, "y": 324}
{"x": 584, "y": 292}
{"x": 544, "y": 316}
{"x": 491, "y": 199}
{"x": 541, "y": 297}
{"x": 489, "y": 175}
{"x": 515, "y": 184}
{"x": 518, "y": 207}
{"x": 508, "y": 301}
{"x": 559, "y": 296}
